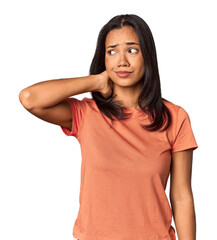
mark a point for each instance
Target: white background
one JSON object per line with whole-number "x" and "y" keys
{"x": 44, "y": 40}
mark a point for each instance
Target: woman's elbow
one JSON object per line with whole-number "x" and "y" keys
{"x": 24, "y": 97}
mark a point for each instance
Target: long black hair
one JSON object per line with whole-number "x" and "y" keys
{"x": 149, "y": 100}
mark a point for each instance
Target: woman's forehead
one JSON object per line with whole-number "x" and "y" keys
{"x": 121, "y": 36}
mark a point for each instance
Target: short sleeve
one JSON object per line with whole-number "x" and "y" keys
{"x": 78, "y": 111}
{"x": 184, "y": 138}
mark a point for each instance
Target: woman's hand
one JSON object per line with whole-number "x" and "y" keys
{"x": 106, "y": 84}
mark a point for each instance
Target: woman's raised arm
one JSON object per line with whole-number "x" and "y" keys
{"x": 46, "y": 100}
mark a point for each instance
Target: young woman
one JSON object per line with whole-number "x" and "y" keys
{"x": 131, "y": 139}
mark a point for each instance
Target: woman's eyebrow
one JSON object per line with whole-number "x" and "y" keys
{"x": 127, "y": 43}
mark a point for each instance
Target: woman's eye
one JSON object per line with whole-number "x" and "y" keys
{"x": 111, "y": 52}
{"x": 133, "y": 50}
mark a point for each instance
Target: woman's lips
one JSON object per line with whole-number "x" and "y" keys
{"x": 123, "y": 74}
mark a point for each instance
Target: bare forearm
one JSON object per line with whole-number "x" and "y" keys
{"x": 185, "y": 218}
{"x": 49, "y": 93}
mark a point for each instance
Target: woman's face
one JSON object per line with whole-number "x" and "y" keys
{"x": 124, "y": 61}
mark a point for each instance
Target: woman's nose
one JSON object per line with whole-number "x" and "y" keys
{"x": 123, "y": 61}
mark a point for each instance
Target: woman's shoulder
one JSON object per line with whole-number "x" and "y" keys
{"x": 89, "y": 101}
{"x": 171, "y": 105}
{"x": 176, "y": 110}
{"x": 90, "y": 104}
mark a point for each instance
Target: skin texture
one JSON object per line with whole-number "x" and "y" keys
{"x": 124, "y": 57}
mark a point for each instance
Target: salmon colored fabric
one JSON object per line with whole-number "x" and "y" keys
{"x": 124, "y": 173}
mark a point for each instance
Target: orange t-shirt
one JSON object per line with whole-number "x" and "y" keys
{"x": 124, "y": 173}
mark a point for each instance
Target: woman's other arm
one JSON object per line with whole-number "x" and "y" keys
{"x": 181, "y": 196}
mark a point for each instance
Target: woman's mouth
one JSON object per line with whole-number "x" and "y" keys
{"x": 123, "y": 74}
